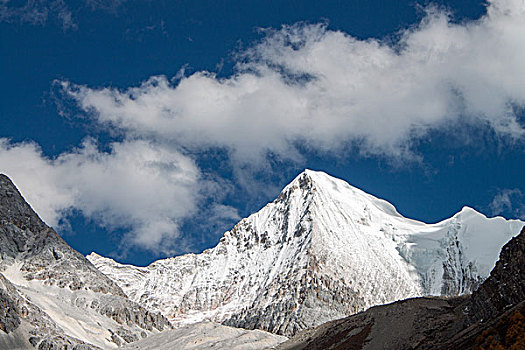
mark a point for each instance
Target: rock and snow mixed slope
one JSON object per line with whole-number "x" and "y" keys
{"x": 322, "y": 250}
{"x": 490, "y": 318}
{"x": 53, "y": 296}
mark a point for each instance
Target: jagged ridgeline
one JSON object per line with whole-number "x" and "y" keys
{"x": 52, "y": 297}
{"x": 322, "y": 250}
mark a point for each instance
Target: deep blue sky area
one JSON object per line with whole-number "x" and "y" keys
{"x": 120, "y": 44}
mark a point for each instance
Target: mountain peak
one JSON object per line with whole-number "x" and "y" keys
{"x": 315, "y": 176}
{"x": 333, "y": 189}
{"x": 306, "y": 175}
{"x": 13, "y": 207}
{"x": 319, "y": 180}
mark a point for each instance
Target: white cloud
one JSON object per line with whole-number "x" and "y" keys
{"x": 508, "y": 201}
{"x": 137, "y": 185}
{"x": 305, "y": 83}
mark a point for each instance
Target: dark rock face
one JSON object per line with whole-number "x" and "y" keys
{"x": 125, "y": 311}
{"x": 492, "y": 318}
{"x": 505, "y": 286}
{"x": 286, "y": 316}
{"x": 419, "y": 323}
{"x": 9, "y": 319}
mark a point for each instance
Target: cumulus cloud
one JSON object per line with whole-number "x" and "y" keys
{"x": 508, "y": 201}
{"x": 137, "y": 185}
{"x": 305, "y": 84}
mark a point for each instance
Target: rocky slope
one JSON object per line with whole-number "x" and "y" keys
{"x": 321, "y": 251}
{"x": 52, "y": 296}
{"x": 505, "y": 286}
{"x": 492, "y": 318}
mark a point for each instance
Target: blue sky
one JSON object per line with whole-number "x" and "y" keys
{"x": 143, "y": 129}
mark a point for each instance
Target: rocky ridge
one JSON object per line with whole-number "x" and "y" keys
{"x": 53, "y": 296}
{"x": 505, "y": 286}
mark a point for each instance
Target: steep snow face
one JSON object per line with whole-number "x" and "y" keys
{"x": 322, "y": 250}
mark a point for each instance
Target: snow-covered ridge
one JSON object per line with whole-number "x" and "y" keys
{"x": 322, "y": 250}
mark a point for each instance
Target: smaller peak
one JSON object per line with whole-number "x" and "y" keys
{"x": 97, "y": 257}
{"x": 6, "y": 182}
{"x": 93, "y": 255}
{"x": 467, "y": 211}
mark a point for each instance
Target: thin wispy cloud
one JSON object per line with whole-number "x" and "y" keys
{"x": 41, "y": 12}
{"x": 105, "y": 5}
{"x": 37, "y": 12}
{"x": 508, "y": 201}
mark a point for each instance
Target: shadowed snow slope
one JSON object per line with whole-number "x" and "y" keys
{"x": 322, "y": 250}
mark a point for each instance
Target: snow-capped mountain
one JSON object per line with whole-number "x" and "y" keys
{"x": 322, "y": 250}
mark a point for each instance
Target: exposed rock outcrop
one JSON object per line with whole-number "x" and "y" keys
{"x": 505, "y": 287}
{"x": 9, "y": 319}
